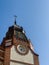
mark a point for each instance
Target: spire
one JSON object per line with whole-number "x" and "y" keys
{"x": 15, "y": 20}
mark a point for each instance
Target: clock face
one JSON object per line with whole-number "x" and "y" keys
{"x": 22, "y": 49}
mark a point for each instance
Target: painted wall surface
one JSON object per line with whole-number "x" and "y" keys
{"x": 28, "y": 58}
{"x": 12, "y": 63}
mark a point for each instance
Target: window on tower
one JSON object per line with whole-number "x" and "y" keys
{"x": 20, "y": 35}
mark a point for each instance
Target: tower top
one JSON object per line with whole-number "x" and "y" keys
{"x": 15, "y": 20}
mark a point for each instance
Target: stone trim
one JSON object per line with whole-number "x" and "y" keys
{"x": 1, "y": 50}
{"x": 8, "y": 40}
{"x": 20, "y": 62}
{"x": 1, "y": 57}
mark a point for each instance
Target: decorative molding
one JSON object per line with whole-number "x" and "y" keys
{"x": 8, "y": 40}
{"x": 1, "y": 57}
{"x": 8, "y": 44}
{"x": 1, "y": 50}
{"x": 20, "y": 62}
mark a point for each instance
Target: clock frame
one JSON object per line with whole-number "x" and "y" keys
{"x": 22, "y": 49}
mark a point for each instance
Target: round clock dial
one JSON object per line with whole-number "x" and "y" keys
{"x": 22, "y": 49}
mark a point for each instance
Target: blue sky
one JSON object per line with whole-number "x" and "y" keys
{"x": 33, "y": 15}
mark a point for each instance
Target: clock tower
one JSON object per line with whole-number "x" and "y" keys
{"x": 16, "y": 49}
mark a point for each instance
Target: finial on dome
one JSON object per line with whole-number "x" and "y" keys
{"x": 15, "y": 20}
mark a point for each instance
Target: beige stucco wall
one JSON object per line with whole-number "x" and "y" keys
{"x": 28, "y": 58}
{"x": 12, "y": 63}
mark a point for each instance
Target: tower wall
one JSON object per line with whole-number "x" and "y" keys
{"x": 28, "y": 58}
